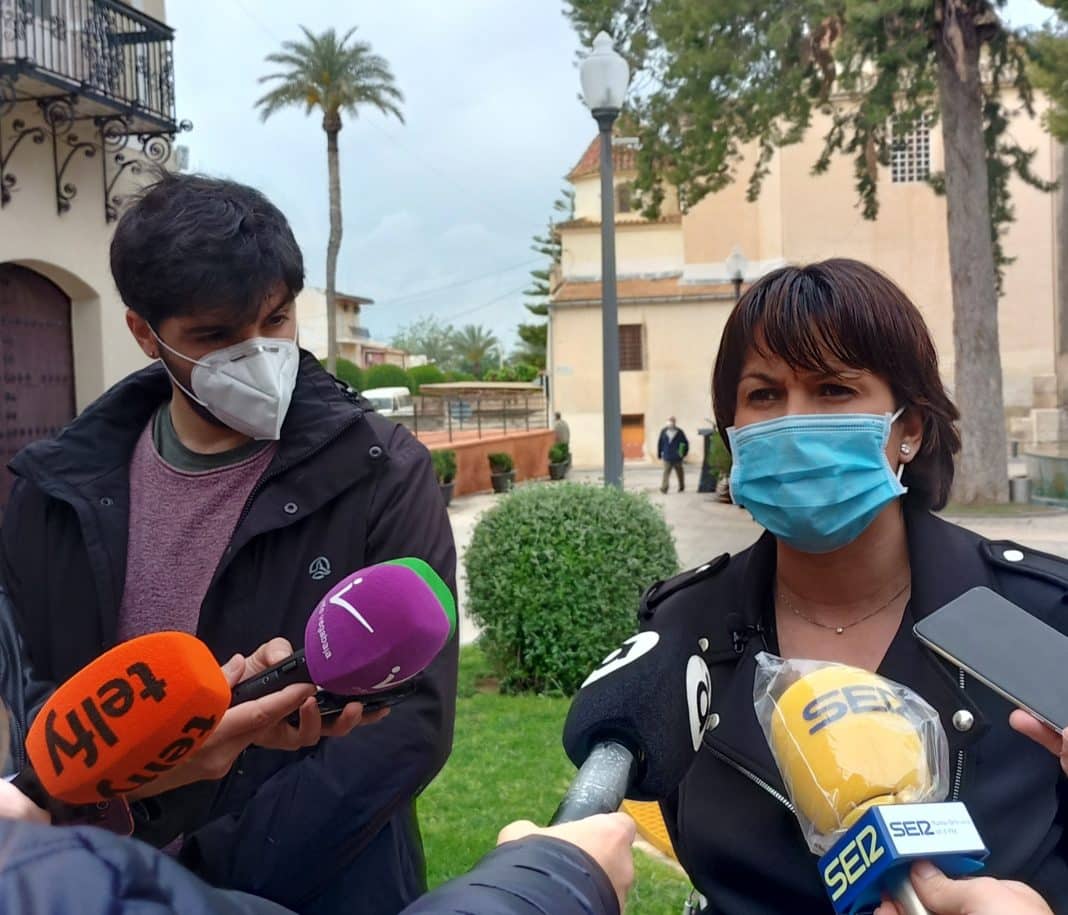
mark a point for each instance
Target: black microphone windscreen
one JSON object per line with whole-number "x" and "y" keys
{"x": 653, "y": 695}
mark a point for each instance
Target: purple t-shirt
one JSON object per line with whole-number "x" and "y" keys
{"x": 180, "y": 525}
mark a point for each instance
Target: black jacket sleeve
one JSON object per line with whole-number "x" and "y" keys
{"x": 335, "y": 800}
{"x": 535, "y": 876}
{"x": 45, "y": 870}
{"x": 22, "y": 692}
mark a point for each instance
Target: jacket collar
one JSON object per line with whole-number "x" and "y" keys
{"x": 945, "y": 561}
{"x": 100, "y": 441}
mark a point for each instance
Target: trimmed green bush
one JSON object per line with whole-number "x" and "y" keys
{"x": 459, "y": 376}
{"x": 555, "y": 572}
{"x": 558, "y": 453}
{"x": 500, "y": 462}
{"x": 349, "y": 372}
{"x": 386, "y": 375}
{"x": 424, "y": 374}
{"x": 444, "y": 465}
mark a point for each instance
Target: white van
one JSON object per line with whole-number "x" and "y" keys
{"x": 394, "y": 403}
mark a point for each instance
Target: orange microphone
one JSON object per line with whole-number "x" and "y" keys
{"x": 125, "y": 719}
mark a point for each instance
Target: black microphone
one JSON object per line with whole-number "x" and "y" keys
{"x": 636, "y": 724}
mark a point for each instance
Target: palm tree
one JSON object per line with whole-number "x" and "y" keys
{"x": 334, "y": 76}
{"x": 476, "y": 346}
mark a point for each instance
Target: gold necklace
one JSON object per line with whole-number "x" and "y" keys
{"x": 840, "y": 629}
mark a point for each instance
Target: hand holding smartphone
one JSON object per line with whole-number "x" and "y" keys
{"x": 1010, "y": 650}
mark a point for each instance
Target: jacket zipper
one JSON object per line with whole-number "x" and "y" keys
{"x": 755, "y": 779}
{"x": 961, "y": 753}
{"x": 782, "y": 799}
{"x": 239, "y": 764}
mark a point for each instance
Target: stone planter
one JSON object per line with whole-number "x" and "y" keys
{"x": 446, "y": 491}
{"x": 503, "y": 482}
{"x": 558, "y": 471}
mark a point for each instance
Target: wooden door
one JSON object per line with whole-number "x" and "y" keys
{"x": 633, "y": 437}
{"x": 36, "y": 364}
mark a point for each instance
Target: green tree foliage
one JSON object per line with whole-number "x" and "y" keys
{"x": 1050, "y": 71}
{"x": 477, "y": 349}
{"x": 386, "y": 375}
{"x": 534, "y": 336}
{"x": 429, "y": 337}
{"x": 721, "y": 85}
{"x": 331, "y": 75}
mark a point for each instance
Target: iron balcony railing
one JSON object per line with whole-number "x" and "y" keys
{"x": 102, "y": 50}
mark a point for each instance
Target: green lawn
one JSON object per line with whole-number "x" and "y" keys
{"x": 507, "y": 764}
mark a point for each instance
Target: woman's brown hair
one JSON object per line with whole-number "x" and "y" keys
{"x": 844, "y": 310}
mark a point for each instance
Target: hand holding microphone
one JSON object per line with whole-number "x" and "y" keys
{"x": 607, "y": 838}
{"x": 980, "y": 896}
{"x": 367, "y": 640}
{"x": 865, "y": 762}
{"x": 120, "y": 723}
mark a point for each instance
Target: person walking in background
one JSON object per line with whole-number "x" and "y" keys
{"x": 562, "y": 430}
{"x": 672, "y": 448}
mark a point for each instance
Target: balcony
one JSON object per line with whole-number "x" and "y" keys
{"x": 106, "y": 55}
{"x": 88, "y": 76}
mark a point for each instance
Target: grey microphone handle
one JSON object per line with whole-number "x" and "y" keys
{"x": 904, "y": 894}
{"x": 600, "y": 786}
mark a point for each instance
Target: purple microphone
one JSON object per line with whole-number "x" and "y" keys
{"x": 372, "y": 632}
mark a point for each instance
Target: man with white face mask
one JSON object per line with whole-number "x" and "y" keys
{"x": 223, "y": 491}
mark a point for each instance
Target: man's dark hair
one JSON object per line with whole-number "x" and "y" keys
{"x": 846, "y": 310}
{"x": 190, "y": 243}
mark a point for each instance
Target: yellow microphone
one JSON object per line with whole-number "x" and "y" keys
{"x": 862, "y": 759}
{"x": 844, "y": 743}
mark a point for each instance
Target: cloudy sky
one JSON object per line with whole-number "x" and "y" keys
{"x": 438, "y": 212}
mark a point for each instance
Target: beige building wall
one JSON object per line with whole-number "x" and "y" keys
{"x": 71, "y": 249}
{"x": 588, "y": 198}
{"x": 643, "y": 249}
{"x": 798, "y": 218}
{"x": 680, "y": 341}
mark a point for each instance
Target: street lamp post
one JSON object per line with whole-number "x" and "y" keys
{"x": 736, "y": 265}
{"x": 605, "y": 76}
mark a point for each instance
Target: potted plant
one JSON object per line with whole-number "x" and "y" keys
{"x": 719, "y": 462}
{"x": 502, "y": 472}
{"x": 445, "y": 471}
{"x": 559, "y": 461}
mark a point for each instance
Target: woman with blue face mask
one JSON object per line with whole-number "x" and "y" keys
{"x": 827, "y": 391}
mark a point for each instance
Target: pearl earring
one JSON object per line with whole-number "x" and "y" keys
{"x": 906, "y": 449}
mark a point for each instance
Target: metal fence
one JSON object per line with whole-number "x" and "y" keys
{"x": 466, "y": 418}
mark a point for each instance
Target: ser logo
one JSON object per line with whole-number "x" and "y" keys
{"x": 627, "y": 653}
{"x": 909, "y": 828}
{"x": 860, "y": 699}
{"x": 852, "y": 862}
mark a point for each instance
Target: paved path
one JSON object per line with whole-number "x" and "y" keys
{"x": 704, "y": 527}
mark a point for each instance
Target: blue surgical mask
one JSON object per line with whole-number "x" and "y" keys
{"x": 815, "y": 480}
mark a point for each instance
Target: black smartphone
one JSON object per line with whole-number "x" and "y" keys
{"x": 332, "y": 704}
{"x": 1002, "y": 645}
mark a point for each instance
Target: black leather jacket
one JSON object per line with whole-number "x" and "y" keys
{"x": 731, "y": 822}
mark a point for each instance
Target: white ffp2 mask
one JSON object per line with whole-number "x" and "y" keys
{"x": 248, "y": 385}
